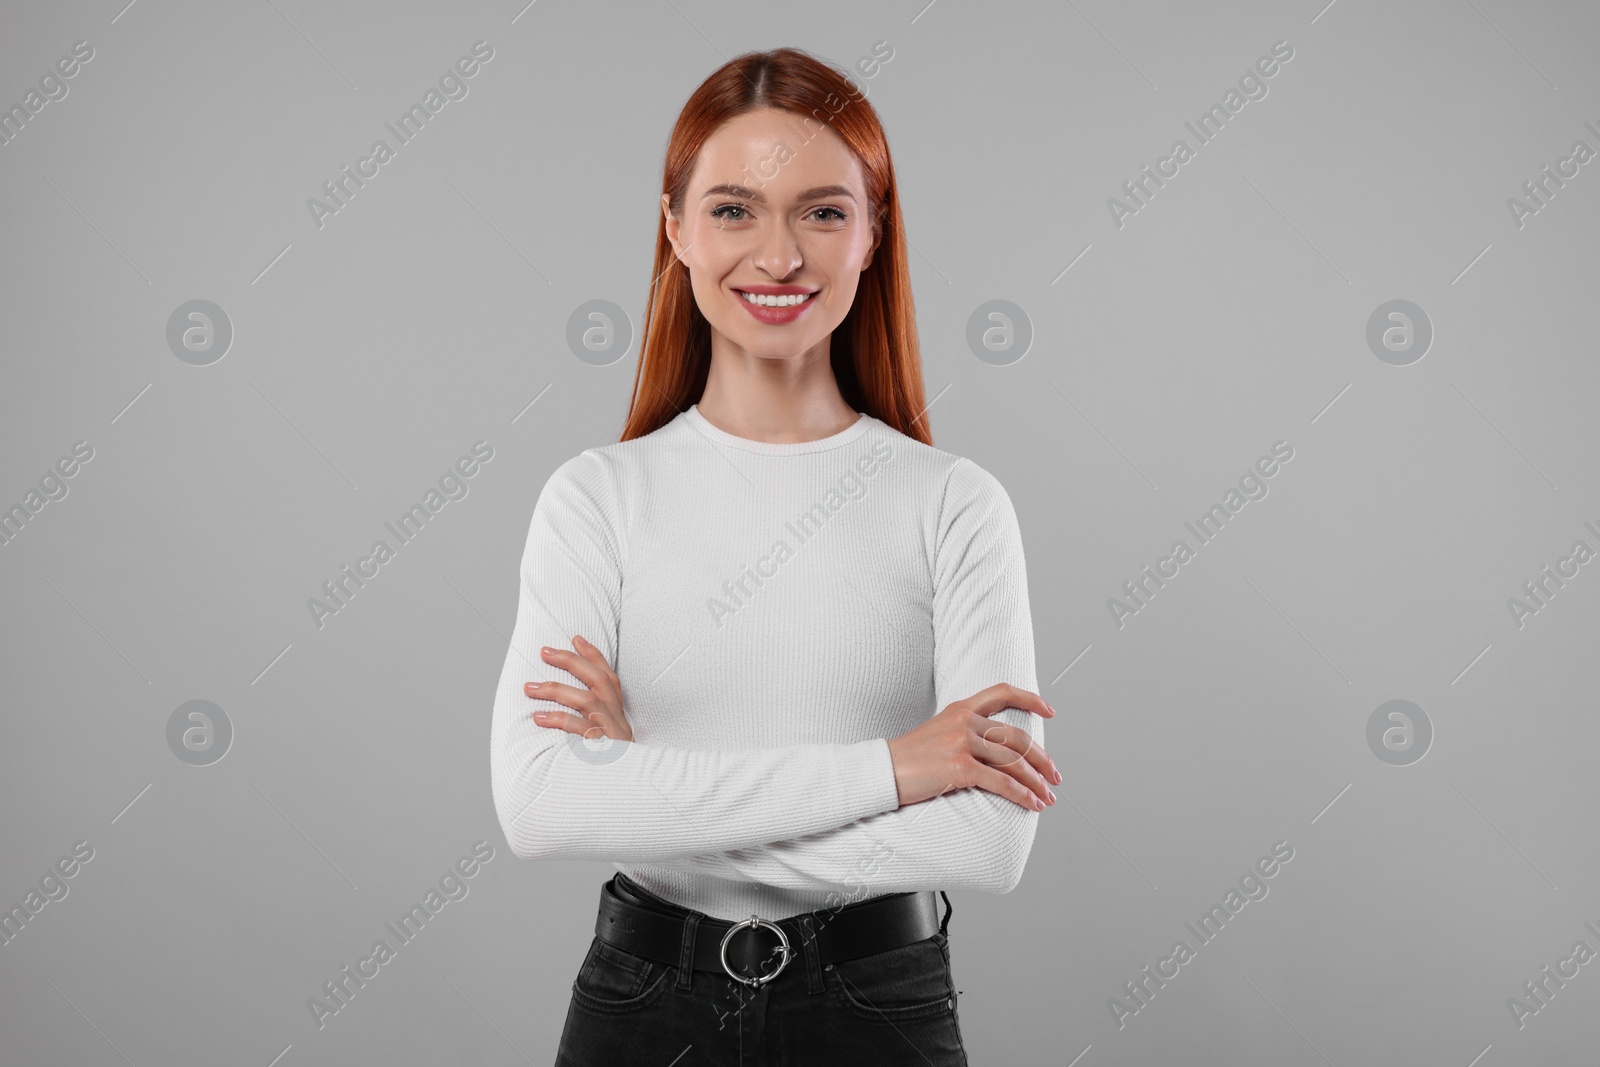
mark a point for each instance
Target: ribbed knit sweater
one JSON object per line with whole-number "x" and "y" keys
{"x": 776, "y": 613}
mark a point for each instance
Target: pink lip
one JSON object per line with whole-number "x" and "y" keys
{"x": 776, "y": 316}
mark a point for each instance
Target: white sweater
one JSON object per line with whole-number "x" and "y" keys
{"x": 776, "y": 613}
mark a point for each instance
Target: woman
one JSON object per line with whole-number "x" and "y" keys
{"x": 782, "y": 580}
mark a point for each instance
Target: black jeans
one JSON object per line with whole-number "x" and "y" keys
{"x": 894, "y": 1007}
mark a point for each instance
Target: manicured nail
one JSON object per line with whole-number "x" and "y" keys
{"x": 1051, "y": 793}
{"x": 547, "y": 650}
{"x": 533, "y": 685}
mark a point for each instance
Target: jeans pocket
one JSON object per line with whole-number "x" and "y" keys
{"x": 909, "y": 982}
{"x": 613, "y": 982}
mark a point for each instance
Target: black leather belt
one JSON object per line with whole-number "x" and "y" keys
{"x": 744, "y": 950}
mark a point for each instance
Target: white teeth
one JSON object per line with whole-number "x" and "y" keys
{"x": 777, "y": 301}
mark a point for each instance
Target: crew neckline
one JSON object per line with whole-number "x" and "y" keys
{"x": 776, "y": 448}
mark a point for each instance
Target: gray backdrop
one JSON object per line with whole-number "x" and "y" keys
{"x": 233, "y": 455}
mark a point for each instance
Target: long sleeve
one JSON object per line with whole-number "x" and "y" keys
{"x": 638, "y": 802}
{"x": 983, "y": 635}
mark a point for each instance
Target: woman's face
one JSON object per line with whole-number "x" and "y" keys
{"x": 769, "y": 209}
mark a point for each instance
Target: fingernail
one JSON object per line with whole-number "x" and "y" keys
{"x": 1038, "y": 805}
{"x": 547, "y": 650}
{"x": 541, "y": 715}
{"x": 533, "y": 685}
{"x": 1051, "y": 793}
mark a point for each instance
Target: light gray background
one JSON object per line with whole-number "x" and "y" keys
{"x": 1228, "y": 314}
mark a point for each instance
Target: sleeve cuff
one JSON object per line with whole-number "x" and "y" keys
{"x": 870, "y": 774}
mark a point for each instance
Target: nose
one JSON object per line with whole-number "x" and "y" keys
{"x": 778, "y": 253}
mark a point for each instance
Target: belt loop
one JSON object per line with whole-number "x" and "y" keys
{"x": 812, "y": 953}
{"x": 691, "y": 924}
{"x": 948, "y": 908}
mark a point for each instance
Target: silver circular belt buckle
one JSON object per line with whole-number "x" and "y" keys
{"x": 750, "y": 924}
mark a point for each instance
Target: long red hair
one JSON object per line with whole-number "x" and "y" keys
{"x": 874, "y": 349}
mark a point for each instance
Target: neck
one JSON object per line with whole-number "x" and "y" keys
{"x": 781, "y": 401}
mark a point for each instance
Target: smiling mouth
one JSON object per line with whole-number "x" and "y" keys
{"x": 792, "y": 300}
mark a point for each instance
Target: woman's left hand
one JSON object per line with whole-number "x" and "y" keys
{"x": 600, "y": 704}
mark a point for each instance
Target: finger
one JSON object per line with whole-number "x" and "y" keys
{"x": 563, "y": 720}
{"x": 1013, "y": 752}
{"x": 603, "y": 719}
{"x": 1020, "y": 741}
{"x": 1002, "y": 784}
{"x": 587, "y": 650}
{"x": 597, "y": 678}
{"x": 581, "y": 700}
{"x": 1002, "y": 696}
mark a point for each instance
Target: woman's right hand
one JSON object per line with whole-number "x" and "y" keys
{"x": 961, "y": 747}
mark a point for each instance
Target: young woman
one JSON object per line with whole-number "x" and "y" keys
{"x": 769, "y": 586}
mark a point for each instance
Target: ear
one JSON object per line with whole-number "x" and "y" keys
{"x": 673, "y": 226}
{"x": 877, "y": 239}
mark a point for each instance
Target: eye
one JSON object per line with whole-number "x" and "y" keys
{"x": 839, "y": 215}
{"x": 717, "y": 213}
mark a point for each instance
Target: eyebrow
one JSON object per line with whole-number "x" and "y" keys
{"x": 744, "y": 193}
